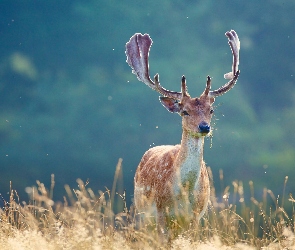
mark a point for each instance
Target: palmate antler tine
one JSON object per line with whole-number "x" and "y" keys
{"x": 234, "y": 43}
{"x": 137, "y": 52}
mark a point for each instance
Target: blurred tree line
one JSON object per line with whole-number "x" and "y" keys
{"x": 69, "y": 104}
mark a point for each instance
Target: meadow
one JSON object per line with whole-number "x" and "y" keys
{"x": 86, "y": 220}
{"x": 69, "y": 105}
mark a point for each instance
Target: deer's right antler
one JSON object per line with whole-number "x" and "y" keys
{"x": 137, "y": 52}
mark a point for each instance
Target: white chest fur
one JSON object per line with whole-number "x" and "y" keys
{"x": 190, "y": 160}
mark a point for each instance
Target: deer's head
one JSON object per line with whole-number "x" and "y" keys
{"x": 196, "y": 112}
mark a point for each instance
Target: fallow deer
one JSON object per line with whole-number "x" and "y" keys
{"x": 165, "y": 171}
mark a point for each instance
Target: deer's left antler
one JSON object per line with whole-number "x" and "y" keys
{"x": 234, "y": 43}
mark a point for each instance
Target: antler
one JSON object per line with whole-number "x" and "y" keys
{"x": 137, "y": 52}
{"x": 234, "y": 43}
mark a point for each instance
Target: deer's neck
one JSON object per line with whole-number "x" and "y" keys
{"x": 190, "y": 159}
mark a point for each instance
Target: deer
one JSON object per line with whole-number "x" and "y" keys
{"x": 170, "y": 176}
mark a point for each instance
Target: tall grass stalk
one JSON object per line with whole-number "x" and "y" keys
{"x": 86, "y": 220}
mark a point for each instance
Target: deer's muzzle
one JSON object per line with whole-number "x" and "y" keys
{"x": 204, "y": 127}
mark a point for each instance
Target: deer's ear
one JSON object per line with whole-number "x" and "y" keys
{"x": 170, "y": 104}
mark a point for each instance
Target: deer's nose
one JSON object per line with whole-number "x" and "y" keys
{"x": 204, "y": 127}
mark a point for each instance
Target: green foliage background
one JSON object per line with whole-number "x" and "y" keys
{"x": 69, "y": 104}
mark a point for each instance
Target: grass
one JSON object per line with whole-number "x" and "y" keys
{"x": 85, "y": 220}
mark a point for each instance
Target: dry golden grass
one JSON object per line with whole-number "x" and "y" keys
{"x": 85, "y": 220}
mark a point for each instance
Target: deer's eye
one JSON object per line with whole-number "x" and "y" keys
{"x": 184, "y": 113}
{"x": 211, "y": 111}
